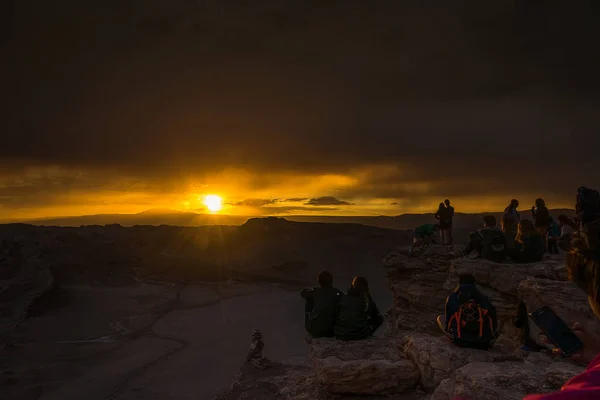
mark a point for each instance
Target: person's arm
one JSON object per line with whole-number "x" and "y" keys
{"x": 494, "y": 318}
{"x": 447, "y": 314}
{"x": 375, "y": 317}
{"x": 533, "y": 212}
{"x": 307, "y": 293}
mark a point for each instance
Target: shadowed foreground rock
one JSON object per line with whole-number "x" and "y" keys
{"x": 366, "y": 367}
{"x": 505, "y": 380}
{"x": 437, "y": 359}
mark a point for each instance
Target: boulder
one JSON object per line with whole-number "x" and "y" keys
{"x": 437, "y": 358}
{"x": 566, "y": 299}
{"x": 278, "y": 382}
{"x": 365, "y": 367}
{"x": 417, "y": 285}
{"x": 504, "y": 380}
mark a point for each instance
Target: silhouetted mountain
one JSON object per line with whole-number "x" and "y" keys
{"x": 158, "y": 217}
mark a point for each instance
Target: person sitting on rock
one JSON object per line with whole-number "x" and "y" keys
{"x": 529, "y": 245}
{"x": 541, "y": 217}
{"x": 358, "y": 317}
{"x": 322, "y": 304}
{"x": 470, "y": 317}
{"x": 424, "y": 235}
{"x": 583, "y": 265}
{"x": 568, "y": 228}
{"x": 553, "y": 236}
{"x": 510, "y": 220}
{"x": 489, "y": 242}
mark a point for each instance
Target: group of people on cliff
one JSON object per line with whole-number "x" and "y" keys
{"x": 329, "y": 312}
{"x": 521, "y": 240}
{"x": 470, "y": 317}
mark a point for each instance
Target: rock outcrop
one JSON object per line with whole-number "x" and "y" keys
{"x": 437, "y": 359}
{"x": 504, "y": 380}
{"x": 24, "y": 279}
{"x": 565, "y": 298}
{"x": 366, "y": 367}
{"x": 416, "y": 360}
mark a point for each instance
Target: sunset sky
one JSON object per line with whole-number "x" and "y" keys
{"x": 296, "y": 107}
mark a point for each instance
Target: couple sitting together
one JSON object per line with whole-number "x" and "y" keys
{"x": 490, "y": 243}
{"x": 346, "y": 316}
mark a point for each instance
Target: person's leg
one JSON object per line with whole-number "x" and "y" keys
{"x": 449, "y": 238}
{"x": 416, "y": 241}
{"x": 376, "y": 323}
{"x": 473, "y": 240}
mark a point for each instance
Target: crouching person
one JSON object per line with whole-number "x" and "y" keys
{"x": 358, "y": 316}
{"x": 322, "y": 304}
{"x": 470, "y": 318}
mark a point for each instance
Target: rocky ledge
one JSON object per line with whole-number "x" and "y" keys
{"x": 416, "y": 361}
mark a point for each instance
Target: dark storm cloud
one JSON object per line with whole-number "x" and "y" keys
{"x": 457, "y": 94}
{"x": 289, "y": 209}
{"x": 326, "y": 201}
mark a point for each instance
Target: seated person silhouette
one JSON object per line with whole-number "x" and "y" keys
{"x": 530, "y": 246}
{"x": 489, "y": 242}
{"x": 358, "y": 316}
{"x": 322, "y": 304}
{"x": 470, "y": 318}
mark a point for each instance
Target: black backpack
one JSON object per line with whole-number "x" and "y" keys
{"x": 472, "y": 325}
{"x": 588, "y": 202}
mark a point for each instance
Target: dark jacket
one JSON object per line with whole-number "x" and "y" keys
{"x": 531, "y": 250}
{"x": 457, "y": 298}
{"x": 493, "y": 244}
{"x": 322, "y": 305}
{"x": 358, "y": 316}
{"x": 541, "y": 217}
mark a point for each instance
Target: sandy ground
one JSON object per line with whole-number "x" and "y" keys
{"x": 148, "y": 342}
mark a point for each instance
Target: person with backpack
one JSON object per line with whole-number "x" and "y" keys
{"x": 358, "y": 317}
{"x": 553, "y": 236}
{"x": 583, "y": 266}
{"x": 529, "y": 244}
{"x": 322, "y": 304}
{"x": 470, "y": 317}
{"x": 423, "y": 236}
{"x": 489, "y": 242}
{"x": 510, "y": 220}
{"x": 445, "y": 214}
{"x": 541, "y": 218}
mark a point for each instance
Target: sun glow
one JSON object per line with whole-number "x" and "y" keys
{"x": 213, "y": 202}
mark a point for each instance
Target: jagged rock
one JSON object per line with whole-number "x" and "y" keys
{"x": 504, "y": 380}
{"x": 365, "y": 367}
{"x": 437, "y": 358}
{"x": 27, "y": 280}
{"x": 279, "y": 382}
{"x": 565, "y": 298}
{"x": 417, "y": 285}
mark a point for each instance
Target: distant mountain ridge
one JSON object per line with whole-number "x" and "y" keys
{"x": 187, "y": 218}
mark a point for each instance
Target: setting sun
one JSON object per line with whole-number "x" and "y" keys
{"x": 213, "y": 202}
